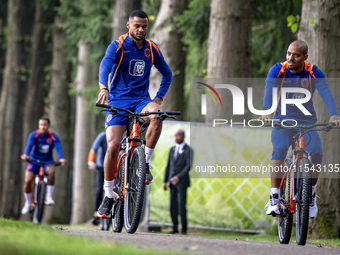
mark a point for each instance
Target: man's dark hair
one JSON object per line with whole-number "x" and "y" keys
{"x": 47, "y": 119}
{"x": 139, "y": 14}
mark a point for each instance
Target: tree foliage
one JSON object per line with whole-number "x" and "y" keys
{"x": 194, "y": 25}
{"x": 271, "y": 35}
{"x": 89, "y": 20}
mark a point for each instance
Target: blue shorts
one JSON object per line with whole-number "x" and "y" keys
{"x": 34, "y": 167}
{"x": 282, "y": 139}
{"x": 134, "y": 105}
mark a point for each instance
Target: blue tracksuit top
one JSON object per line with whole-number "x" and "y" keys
{"x": 299, "y": 80}
{"x": 40, "y": 146}
{"x": 99, "y": 145}
{"x": 131, "y": 80}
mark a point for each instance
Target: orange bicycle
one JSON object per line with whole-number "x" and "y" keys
{"x": 40, "y": 189}
{"x": 130, "y": 181}
{"x": 296, "y": 184}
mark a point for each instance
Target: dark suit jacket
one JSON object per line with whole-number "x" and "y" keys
{"x": 180, "y": 166}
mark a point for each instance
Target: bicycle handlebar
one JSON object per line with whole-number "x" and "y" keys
{"x": 327, "y": 126}
{"x": 137, "y": 114}
{"x": 30, "y": 160}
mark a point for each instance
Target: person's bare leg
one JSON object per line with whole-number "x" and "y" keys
{"x": 113, "y": 137}
{"x": 155, "y": 127}
{"x": 276, "y": 177}
{"x": 315, "y": 175}
{"x": 50, "y": 170}
{"x": 29, "y": 177}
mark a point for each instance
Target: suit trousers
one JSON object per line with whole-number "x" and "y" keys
{"x": 178, "y": 200}
{"x": 99, "y": 188}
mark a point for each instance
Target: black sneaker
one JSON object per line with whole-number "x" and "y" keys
{"x": 95, "y": 221}
{"x": 104, "y": 210}
{"x": 148, "y": 175}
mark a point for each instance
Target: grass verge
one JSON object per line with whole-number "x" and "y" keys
{"x": 18, "y": 237}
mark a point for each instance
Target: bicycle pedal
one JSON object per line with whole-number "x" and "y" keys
{"x": 283, "y": 211}
{"x": 105, "y": 217}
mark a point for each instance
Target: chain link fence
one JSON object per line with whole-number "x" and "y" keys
{"x": 213, "y": 200}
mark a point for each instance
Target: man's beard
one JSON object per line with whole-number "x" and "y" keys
{"x": 137, "y": 39}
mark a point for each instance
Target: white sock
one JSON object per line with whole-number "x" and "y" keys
{"x": 275, "y": 191}
{"x": 49, "y": 191}
{"x": 313, "y": 189}
{"x": 28, "y": 197}
{"x": 148, "y": 154}
{"x": 108, "y": 188}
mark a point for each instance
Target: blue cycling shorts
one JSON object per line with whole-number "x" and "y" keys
{"x": 282, "y": 139}
{"x": 34, "y": 167}
{"x": 134, "y": 105}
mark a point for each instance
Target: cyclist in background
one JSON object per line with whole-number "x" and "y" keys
{"x": 99, "y": 146}
{"x": 295, "y": 72}
{"x": 40, "y": 146}
{"x": 124, "y": 82}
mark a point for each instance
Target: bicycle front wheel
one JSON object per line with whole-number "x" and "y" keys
{"x": 134, "y": 192}
{"x": 39, "y": 201}
{"x": 285, "y": 222}
{"x": 304, "y": 194}
{"x": 104, "y": 224}
{"x": 118, "y": 208}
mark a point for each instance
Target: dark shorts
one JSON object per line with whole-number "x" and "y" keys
{"x": 34, "y": 167}
{"x": 134, "y": 105}
{"x": 282, "y": 138}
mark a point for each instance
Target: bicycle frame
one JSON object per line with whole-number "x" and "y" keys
{"x": 132, "y": 140}
{"x": 297, "y": 153}
{"x": 132, "y": 184}
{"x": 299, "y": 180}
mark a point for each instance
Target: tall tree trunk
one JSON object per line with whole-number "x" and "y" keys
{"x": 3, "y": 21}
{"x": 20, "y": 20}
{"x": 121, "y": 16}
{"x": 59, "y": 112}
{"x": 306, "y": 31}
{"x": 228, "y": 51}
{"x": 167, "y": 37}
{"x": 40, "y": 58}
{"x": 83, "y": 179}
{"x": 323, "y": 39}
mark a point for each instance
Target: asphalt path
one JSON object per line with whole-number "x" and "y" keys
{"x": 203, "y": 245}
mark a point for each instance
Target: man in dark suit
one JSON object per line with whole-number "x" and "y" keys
{"x": 177, "y": 174}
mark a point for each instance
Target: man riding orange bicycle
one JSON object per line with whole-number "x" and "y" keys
{"x": 295, "y": 73}
{"x": 40, "y": 146}
{"x": 124, "y": 82}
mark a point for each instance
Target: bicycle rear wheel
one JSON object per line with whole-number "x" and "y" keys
{"x": 39, "y": 201}
{"x": 134, "y": 192}
{"x": 118, "y": 208}
{"x": 285, "y": 222}
{"x": 304, "y": 193}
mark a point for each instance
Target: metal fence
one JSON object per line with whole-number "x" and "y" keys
{"x": 214, "y": 201}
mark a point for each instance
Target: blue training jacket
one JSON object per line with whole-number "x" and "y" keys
{"x": 99, "y": 145}
{"x": 310, "y": 74}
{"x": 125, "y": 69}
{"x": 40, "y": 145}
